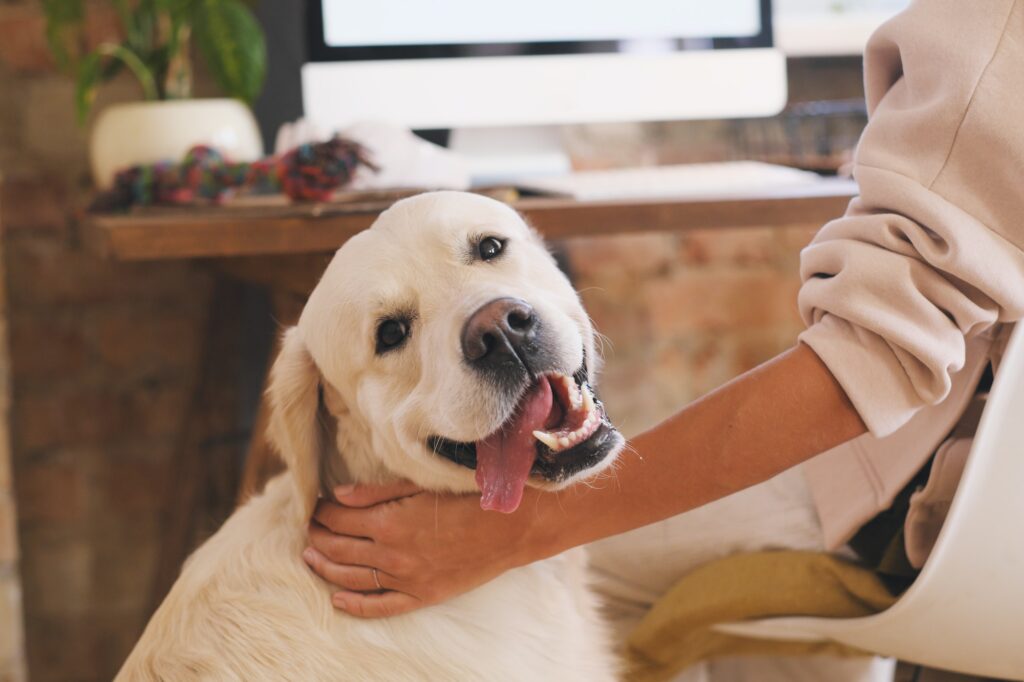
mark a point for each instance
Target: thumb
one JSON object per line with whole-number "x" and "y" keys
{"x": 370, "y": 495}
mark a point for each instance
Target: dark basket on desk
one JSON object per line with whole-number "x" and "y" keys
{"x": 818, "y": 136}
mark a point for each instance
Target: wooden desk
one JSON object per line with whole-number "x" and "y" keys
{"x": 160, "y": 234}
{"x": 286, "y": 247}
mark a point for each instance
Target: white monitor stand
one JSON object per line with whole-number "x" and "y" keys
{"x": 498, "y": 155}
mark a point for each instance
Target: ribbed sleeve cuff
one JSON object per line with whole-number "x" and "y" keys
{"x": 868, "y": 371}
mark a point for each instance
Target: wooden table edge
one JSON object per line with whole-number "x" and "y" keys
{"x": 229, "y": 232}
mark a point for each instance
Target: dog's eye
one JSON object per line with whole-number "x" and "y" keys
{"x": 490, "y": 247}
{"x": 391, "y": 334}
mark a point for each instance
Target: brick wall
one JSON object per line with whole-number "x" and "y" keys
{"x": 684, "y": 313}
{"x": 102, "y": 363}
{"x": 12, "y": 655}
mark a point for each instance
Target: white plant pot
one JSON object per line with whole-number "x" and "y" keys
{"x": 148, "y": 132}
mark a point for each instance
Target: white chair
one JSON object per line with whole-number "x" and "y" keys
{"x": 965, "y": 612}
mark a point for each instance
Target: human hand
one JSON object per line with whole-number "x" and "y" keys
{"x": 426, "y": 547}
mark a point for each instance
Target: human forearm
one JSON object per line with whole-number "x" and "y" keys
{"x": 429, "y": 547}
{"x": 765, "y": 421}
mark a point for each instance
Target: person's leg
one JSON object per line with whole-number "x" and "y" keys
{"x": 634, "y": 569}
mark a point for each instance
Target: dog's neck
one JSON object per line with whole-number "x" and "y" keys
{"x": 344, "y": 459}
{"x": 333, "y": 469}
{"x": 333, "y": 473}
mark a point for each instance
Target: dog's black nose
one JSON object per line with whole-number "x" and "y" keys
{"x": 500, "y": 334}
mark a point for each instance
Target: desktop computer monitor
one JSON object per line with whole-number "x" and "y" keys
{"x": 487, "y": 70}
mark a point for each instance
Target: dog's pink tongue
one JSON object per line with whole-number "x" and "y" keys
{"x": 504, "y": 459}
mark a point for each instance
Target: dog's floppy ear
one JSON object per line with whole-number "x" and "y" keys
{"x": 297, "y": 422}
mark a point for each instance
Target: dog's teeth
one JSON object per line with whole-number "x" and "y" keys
{"x": 585, "y": 430}
{"x": 581, "y": 399}
{"x": 573, "y": 391}
{"x": 588, "y": 400}
{"x": 547, "y": 439}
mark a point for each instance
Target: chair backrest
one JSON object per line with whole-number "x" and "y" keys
{"x": 965, "y": 612}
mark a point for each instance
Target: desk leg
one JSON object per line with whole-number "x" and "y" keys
{"x": 261, "y": 461}
{"x": 208, "y": 448}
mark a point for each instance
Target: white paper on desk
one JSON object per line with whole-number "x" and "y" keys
{"x": 404, "y": 161}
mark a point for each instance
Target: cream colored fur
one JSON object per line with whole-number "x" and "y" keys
{"x": 246, "y": 606}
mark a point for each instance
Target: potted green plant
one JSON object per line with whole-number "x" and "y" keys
{"x": 157, "y": 50}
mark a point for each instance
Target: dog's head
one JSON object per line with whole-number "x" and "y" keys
{"x": 444, "y": 346}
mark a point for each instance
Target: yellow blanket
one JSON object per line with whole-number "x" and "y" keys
{"x": 677, "y": 632}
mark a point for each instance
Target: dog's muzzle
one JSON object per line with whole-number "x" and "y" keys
{"x": 557, "y": 429}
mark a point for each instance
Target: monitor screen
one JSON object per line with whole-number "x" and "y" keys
{"x": 345, "y": 30}
{"x": 471, "y": 63}
{"x": 350, "y": 24}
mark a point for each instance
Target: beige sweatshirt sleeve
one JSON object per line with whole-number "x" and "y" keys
{"x": 931, "y": 251}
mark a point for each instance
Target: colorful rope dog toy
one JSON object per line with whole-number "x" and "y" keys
{"x": 310, "y": 172}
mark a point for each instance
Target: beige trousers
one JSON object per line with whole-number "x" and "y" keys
{"x": 634, "y": 569}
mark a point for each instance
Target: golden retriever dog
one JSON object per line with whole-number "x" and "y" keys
{"x": 443, "y": 346}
